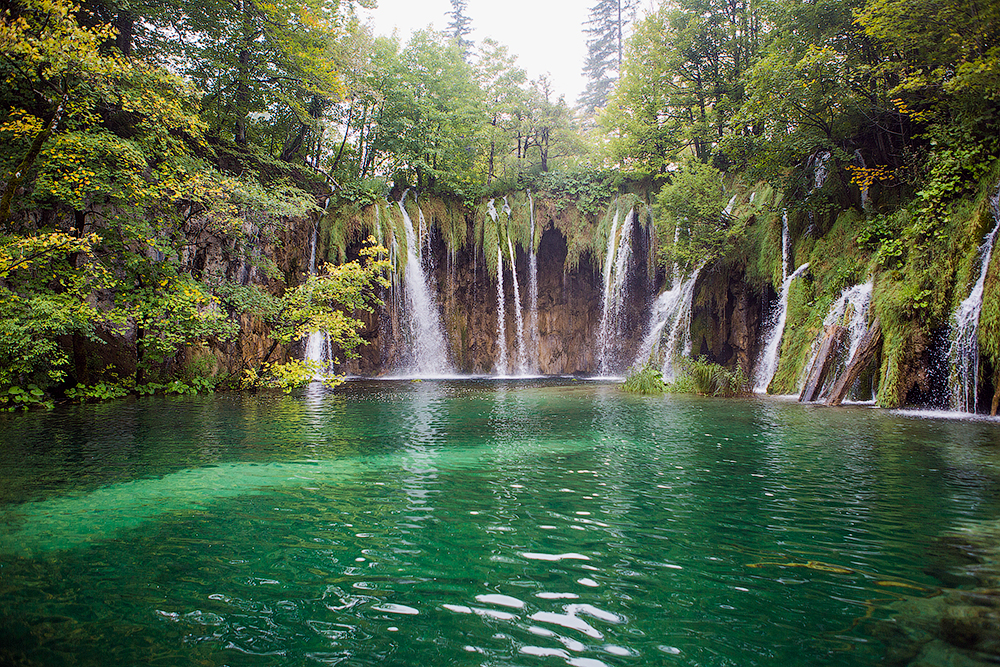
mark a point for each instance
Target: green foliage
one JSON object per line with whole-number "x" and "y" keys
{"x": 23, "y": 398}
{"x": 102, "y": 391}
{"x": 693, "y": 204}
{"x": 589, "y": 191}
{"x": 288, "y": 376}
{"x": 881, "y": 237}
{"x": 647, "y": 379}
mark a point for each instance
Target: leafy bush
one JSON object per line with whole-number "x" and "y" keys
{"x": 102, "y": 391}
{"x": 288, "y": 376}
{"x": 22, "y": 398}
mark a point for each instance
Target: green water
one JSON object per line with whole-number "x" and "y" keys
{"x": 480, "y": 523}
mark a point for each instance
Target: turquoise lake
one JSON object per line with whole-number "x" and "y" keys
{"x": 486, "y": 522}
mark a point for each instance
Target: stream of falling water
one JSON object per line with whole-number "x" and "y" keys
{"x": 964, "y": 350}
{"x": 784, "y": 245}
{"x": 533, "y": 291}
{"x": 522, "y": 361}
{"x": 501, "y": 364}
{"x": 669, "y": 337}
{"x": 616, "y": 264}
{"x": 851, "y": 311}
{"x": 317, "y": 344}
{"x": 767, "y": 363}
{"x": 428, "y": 356}
{"x": 854, "y": 301}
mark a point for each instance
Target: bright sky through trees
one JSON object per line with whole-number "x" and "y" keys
{"x": 545, "y": 36}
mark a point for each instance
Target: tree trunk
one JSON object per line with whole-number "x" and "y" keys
{"x": 29, "y": 160}
{"x": 825, "y": 358}
{"x": 125, "y": 25}
{"x": 866, "y": 352}
{"x": 347, "y": 131}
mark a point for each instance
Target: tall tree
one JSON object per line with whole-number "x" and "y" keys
{"x": 605, "y": 37}
{"x": 682, "y": 81}
{"x": 459, "y": 29}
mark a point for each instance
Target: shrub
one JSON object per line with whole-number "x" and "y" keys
{"x": 700, "y": 376}
{"x": 645, "y": 380}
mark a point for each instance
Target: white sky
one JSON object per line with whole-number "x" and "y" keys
{"x": 545, "y": 35}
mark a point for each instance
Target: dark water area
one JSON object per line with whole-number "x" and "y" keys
{"x": 544, "y": 522}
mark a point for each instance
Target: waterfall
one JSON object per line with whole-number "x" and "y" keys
{"x": 533, "y": 291}
{"x": 728, "y": 211}
{"x": 669, "y": 337}
{"x": 821, "y": 169}
{"x": 784, "y": 245}
{"x": 767, "y": 363}
{"x": 501, "y": 317}
{"x": 428, "y": 350}
{"x": 963, "y": 354}
{"x": 850, "y": 311}
{"x": 858, "y": 298}
{"x": 317, "y": 344}
{"x": 616, "y": 263}
{"x": 518, "y": 314}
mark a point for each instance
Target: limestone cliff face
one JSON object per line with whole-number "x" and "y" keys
{"x": 569, "y": 311}
{"x": 726, "y": 317}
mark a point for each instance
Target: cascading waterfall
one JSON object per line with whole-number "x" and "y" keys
{"x": 428, "y": 350}
{"x": 854, "y": 301}
{"x": 317, "y": 344}
{"x": 519, "y": 316}
{"x": 821, "y": 168}
{"x": 669, "y": 337}
{"x": 533, "y": 291}
{"x": 767, "y": 363}
{"x": 785, "y": 243}
{"x": 616, "y": 264}
{"x": 850, "y": 310}
{"x": 501, "y": 366}
{"x": 728, "y": 211}
{"x": 963, "y": 353}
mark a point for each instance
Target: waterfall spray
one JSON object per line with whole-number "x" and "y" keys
{"x": 519, "y": 316}
{"x": 317, "y": 344}
{"x": 533, "y": 291}
{"x": 616, "y": 266}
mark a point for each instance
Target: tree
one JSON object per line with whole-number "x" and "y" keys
{"x": 501, "y": 81}
{"x": 605, "y": 38}
{"x": 327, "y": 301}
{"x": 458, "y": 28}
{"x": 681, "y": 82}
{"x": 815, "y": 88}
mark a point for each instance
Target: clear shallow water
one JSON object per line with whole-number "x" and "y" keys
{"x": 478, "y": 523}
